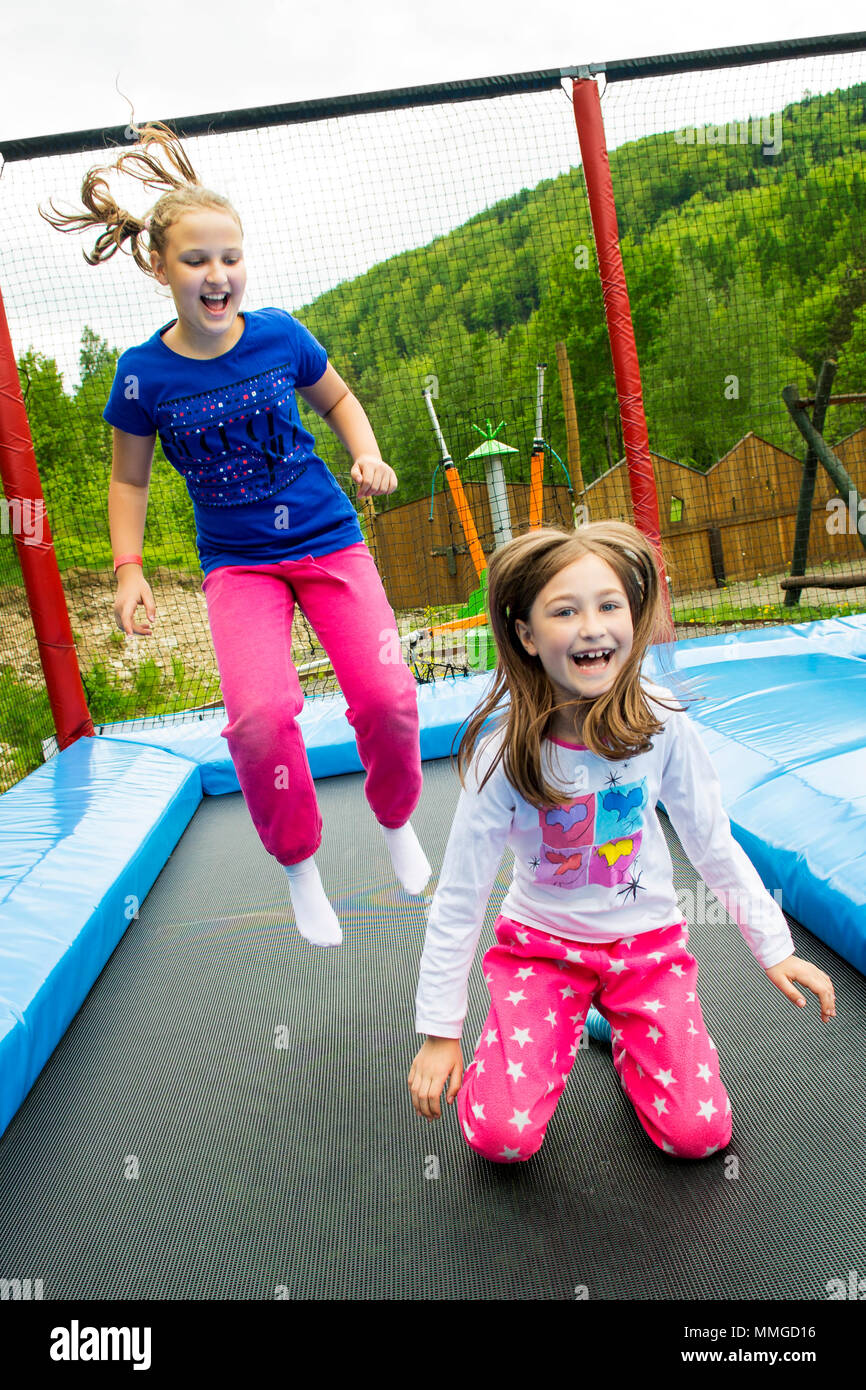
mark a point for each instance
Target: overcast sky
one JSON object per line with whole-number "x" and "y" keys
{"x": 62, "y": 58}
{"x": 323, "y": 201}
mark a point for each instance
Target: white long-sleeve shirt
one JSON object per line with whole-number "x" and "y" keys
{"x": 597, "y": 869}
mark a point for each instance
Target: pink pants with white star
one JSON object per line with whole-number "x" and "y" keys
{"x": 541, "y": 987}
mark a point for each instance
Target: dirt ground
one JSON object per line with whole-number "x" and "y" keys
{"x": 181, "y": 630}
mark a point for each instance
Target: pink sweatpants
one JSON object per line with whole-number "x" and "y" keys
{"x": 541, "y": 987}
{"x": 250, "y": 609}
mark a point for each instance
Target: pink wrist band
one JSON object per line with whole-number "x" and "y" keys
{"x": 126, "y": 560}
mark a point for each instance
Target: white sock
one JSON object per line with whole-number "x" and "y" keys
{"x": 315, "y": 919}
{"x": 408, "y": 858}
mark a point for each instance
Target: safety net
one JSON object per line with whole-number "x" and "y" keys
{"x": 438, "y": 243}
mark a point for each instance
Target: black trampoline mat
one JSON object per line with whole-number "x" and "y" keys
{"x": 228, "y": 1117}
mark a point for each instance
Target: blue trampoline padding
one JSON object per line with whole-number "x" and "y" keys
{"x": 787, "y": 736}
{"x": 197, "y": 740}
{"x": 835, "y": 636}
{"x": 789, "y": 711}
{"x": 82, "y": 840}
{"x": 329, "y": 740}
{"x": 328, "y": 735}
{"x": 805, "y": 836}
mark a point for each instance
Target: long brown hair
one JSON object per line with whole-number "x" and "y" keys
{"x": 616, "y": 724}
{"x": 167, "y": 168}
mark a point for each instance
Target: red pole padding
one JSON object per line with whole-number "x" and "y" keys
{"x": 28, "y": 521}
{"x": 602, "y": 208}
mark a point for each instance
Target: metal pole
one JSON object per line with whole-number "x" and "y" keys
{"x": 536, "y": 485}
{"x": 459, "y": 496}
{"x": 498, "y": 497}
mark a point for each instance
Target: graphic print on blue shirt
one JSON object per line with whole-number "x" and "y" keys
{"x": 234, "y": 444}
{"x": 594, "y": 839}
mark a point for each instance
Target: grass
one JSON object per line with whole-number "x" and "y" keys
{"x": 152, "y": 691}
{"x": 25, "y": 713}
{"x": 726, "y": 613}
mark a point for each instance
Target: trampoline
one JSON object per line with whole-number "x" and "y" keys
{"x": 198, "y": 1105}
{"x": 226, "y": 1117}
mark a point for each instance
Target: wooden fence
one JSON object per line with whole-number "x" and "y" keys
{"x": 428, "y": 562}
{"x": 735, "y": 521}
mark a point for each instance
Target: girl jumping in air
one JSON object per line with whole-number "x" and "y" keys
{"x": 569, "y": 777}
{"x": 273, "y": 527}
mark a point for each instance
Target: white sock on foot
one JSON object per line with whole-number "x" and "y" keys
{"x": 408, "y": 858}
{"x": 315, "y": 919}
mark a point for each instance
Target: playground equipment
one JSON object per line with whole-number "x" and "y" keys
{"x": 818, "y": 451}
{"x": 491, "y": 451}
{"x": 539, "y": 445}
{"x": 460, "y": 501}
{"x": 536, "y": 492}
{"x": 481, "y": 653}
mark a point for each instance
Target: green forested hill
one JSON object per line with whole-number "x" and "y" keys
{"x": 744, "y": 270}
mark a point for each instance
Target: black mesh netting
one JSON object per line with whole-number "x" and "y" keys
{"x": 447, "y": 246}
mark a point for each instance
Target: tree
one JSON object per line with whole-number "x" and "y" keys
{"x": 95, "y": 356}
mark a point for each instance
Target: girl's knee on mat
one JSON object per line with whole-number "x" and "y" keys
{"x": 701, "y": 1139}
{"x": 499, "y": 1147}
{"x": 502, "y": 1138}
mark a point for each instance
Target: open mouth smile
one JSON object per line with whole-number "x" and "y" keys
{"x": 596, "y": 660}
{"x": 216, "y": 304}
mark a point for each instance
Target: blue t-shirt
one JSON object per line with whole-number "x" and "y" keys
{"x": 231, "y": 428}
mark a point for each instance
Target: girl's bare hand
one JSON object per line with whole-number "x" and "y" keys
{"x": 373, "y": 476}
{"x": 438, "y": 1059}
{"x": 132, "y": 591}
{"x": 805, "y": 973}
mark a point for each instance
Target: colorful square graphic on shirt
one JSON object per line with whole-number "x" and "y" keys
{"x": 619, "y": 811}
{"x": 564, "y": 868}
{"x": 611, "y": 862}
{"x": 594, "y": 839}
{"x": 569, "y": 826}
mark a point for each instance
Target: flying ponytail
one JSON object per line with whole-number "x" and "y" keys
{"x": 169, "y": 169}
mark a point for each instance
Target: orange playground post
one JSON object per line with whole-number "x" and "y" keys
{"x": 536, "y": 485}
{"x": 459, "y": 496}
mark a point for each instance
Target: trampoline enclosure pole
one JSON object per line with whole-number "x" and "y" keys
{"x": 28, "y": 522}
{"x": 596, "y": 170}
